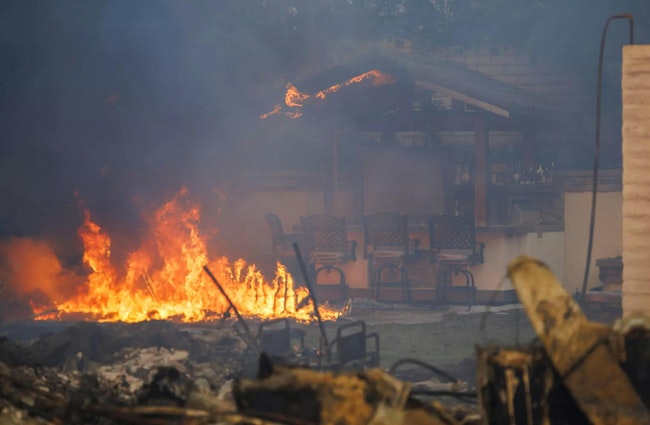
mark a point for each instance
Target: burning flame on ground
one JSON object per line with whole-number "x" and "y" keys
{"x": 164, "y": 278}
{"x": 294, "y": 98}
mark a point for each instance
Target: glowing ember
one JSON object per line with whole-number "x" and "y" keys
{"x": 294, "y": 98}
{"x": 164, "y": 279}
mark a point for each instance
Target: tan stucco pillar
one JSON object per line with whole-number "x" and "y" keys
{"x": 636, "y": 178}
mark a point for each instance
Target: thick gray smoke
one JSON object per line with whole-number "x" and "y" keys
{"x": 120, "y": 103}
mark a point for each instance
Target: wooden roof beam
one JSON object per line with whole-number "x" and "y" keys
{"x": 464, "y": 98}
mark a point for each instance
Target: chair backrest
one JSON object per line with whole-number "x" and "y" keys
{"x": 275, "y": 337}
{"x": 351, "y": 342}
{"x": 451, "y": 232}
{"x": 325, "y": 232}
{"x": 277, "y": 233}
{"x": 385, "y": 229}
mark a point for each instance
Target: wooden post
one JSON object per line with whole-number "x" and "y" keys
{"x": 481, "y": 144}
{"x": 335, "y": 161}
{"x": 529, "y": 155}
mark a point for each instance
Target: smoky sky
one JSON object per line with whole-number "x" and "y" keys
{"x": 118, "y": 103}
{"x": 111, "y": 101}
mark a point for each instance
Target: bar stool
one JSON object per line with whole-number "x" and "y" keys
{"x": 454, "y": 250}
{"x": 387, "y": 247}
{"x": 326, "y": 241}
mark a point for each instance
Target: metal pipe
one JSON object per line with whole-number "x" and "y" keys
{"x": 432, "y": 368}
{"x": 232, "y": 307}
{"x": 594, "y": 189}
{"x": 312, "y": 295}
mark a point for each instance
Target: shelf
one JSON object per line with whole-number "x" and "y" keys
{"x": 464, "y": 189}
{"x": 519, "y": 229}
{"x": 522, "y": 189}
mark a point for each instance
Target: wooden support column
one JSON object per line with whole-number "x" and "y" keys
{"x": 529, "y": 155}
{"x": 481, "y": 145}
{"x": 335, "y": 161}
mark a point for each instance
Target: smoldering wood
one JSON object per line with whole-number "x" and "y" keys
{"x": 518, "y": 385}
{"x": 573, "y": 350}
{"x": 350, "y": 398}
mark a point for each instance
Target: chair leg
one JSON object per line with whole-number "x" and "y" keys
{"x": 342, "y": 282}
{"x": 378, "y": 273}
{"x": 372, "y": 283}
{"x": 469, "y": 284}
{"x": 443, "y": 278}
{"x": 313, "y": 273}
{"x": 406, "y": 285}
{"x": 472, "y": 287}
{"x": 378, "y": 284}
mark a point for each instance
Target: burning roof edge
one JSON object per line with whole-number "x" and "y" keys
{"x": 450, "y": 78}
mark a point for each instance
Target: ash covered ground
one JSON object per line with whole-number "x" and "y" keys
{"x": 83, "y": 371}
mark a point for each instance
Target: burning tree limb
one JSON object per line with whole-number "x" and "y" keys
{"x": 576, "y": 347}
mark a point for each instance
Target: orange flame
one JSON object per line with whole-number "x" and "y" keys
{"x": 294, "y": 98}
{"x": 377, "y": 79}
{"x": 276, "y": 110}
{"x": 164, "y": 278}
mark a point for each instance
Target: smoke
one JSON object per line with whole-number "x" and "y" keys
{"x": 30, "y": 269}
{"x": 121, "y": 103}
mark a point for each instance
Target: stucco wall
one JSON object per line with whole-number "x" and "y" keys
{"x": 636, "y": 178}
{"x": 501, "y": 249}
{"x": 608, "y": 237}
{"x": 244, "y": 231}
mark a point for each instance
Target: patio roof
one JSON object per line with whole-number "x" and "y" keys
{"x": 448, "y": 78}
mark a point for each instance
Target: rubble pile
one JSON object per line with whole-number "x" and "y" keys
{"x": 577, "y": 372}
{"x": 165, "y": 373}
{"x": 89, "y": 369}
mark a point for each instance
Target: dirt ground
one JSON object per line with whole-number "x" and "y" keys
{"x": 443, "y": 336}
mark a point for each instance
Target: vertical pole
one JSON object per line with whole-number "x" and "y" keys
{"x": 530, "y": 144}
{"x": 312, "y": 294}
{"x": 480, "y": 168}
{"x": 599, "y": 97}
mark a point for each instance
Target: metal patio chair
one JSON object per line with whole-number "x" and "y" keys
{"x": 454, "y": 250}
{"x": 387, "y": 246}
{"x": 353, "y": 348}
{"x": 275, "y": 338}
{"x": 326, "y": 241}
{"x": 281, "y": 242}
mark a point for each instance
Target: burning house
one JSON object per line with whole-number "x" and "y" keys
{"x": 420, "y": 136}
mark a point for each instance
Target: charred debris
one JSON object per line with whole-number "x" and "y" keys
{"x": 575, "y": 372}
